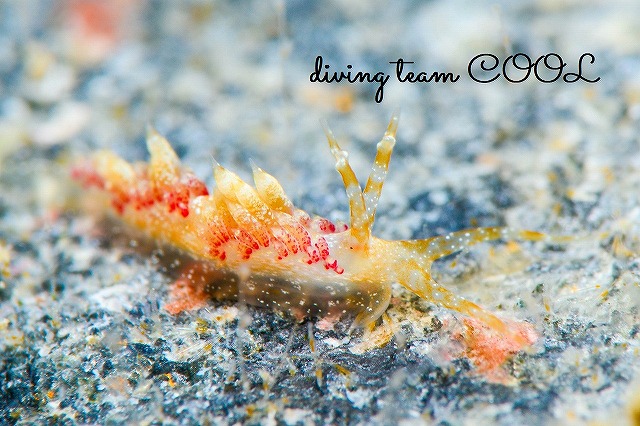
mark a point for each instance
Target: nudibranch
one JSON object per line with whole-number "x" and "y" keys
{"x": 252, "y": 243}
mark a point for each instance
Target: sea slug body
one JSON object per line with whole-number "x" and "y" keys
{"x": 251, "y": 242}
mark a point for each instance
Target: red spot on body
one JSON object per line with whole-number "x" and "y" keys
{"x": 283, "y": 235}
{"x": 302, "y": 217}
{"x": 323, "y": 248}
{"x": 302, "y": 235}
{"x": 196, "y": 187}
{"x": 246, "y": 238}
{"x": 326, "y": 226}
{"x": 281, "y": 249}
{"x": 261, "y": 236}
{"x": 87, "y": 176}
{"x": 333, "y": 264}
{"x": 219, "y": 233}
{"x": 118, "y": 207}
{"x": 313, "y": 255}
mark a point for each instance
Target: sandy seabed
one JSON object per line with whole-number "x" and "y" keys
{"x": 84, "y": 337}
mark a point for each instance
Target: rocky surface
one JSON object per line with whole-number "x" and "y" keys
{"x": 83, "y": 334}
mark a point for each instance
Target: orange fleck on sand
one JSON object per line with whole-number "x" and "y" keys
{"x": 489, "y": 350}
{"x": 96, "y": 27}
{"x": 186, "y": 295}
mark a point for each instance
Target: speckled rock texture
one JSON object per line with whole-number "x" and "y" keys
{"x": 84, "y": 338}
